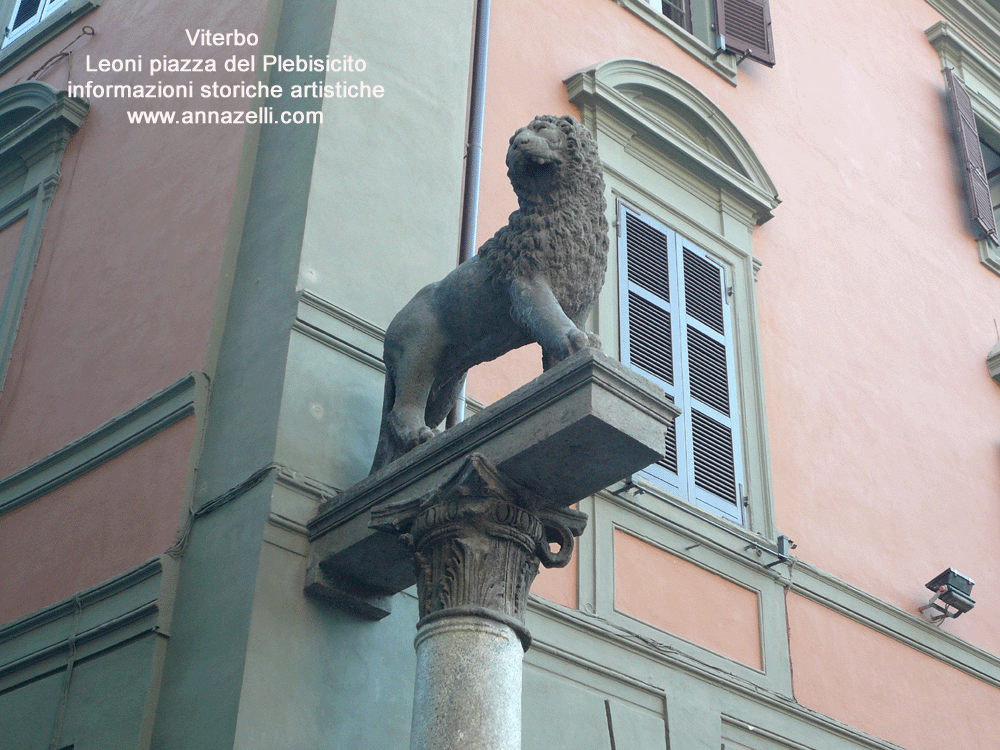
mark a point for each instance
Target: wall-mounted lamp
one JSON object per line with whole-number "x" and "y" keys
{"x": 953, "y": 589}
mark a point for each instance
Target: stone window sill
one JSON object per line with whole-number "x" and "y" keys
{"x": 721, "y": 62}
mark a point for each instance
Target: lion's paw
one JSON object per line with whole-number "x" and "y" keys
{"x": 577, "y": 340}
{"x": 410, "y": 439}
{"x": 408, "y": 435}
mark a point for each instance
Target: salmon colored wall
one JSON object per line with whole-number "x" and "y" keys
{"x": 108, "y": 520}
{"x": 122, "y": 296}
{"x": 559, "y": 585}
{"x": 723, "y": 617}
{"x": 875, "y": 313}
{"x": 870, "y": 681}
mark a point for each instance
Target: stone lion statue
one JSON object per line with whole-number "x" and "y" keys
{"x": 534, "y": 280}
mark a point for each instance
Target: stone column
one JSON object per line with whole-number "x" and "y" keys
{"x": 477, "y": 541}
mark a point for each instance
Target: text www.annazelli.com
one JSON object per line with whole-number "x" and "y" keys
{"x": 259, "y": 116}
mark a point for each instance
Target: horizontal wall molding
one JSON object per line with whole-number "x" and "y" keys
{"x": 909, "y": 629}
{"x": 92, "y": 621}
{"x": 305, "y": 485}
{"x": 338, "y": 313}
{"x": 549, "y": 631}
{"x": 817, "y": 585}
{"x": 155, "y": 414}
{"x": 339, "y": 329}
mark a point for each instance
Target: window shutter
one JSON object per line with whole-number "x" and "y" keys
{"x": 977, "y": 186}
{"x": 677, "y": 329}
{"x": 745, "y": 28}
{"x": 709, "y": 412}
{"x": 25, "y": 12}
{"x": 648, "y": 312}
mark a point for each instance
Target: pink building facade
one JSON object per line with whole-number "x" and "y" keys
{"x": 803, "y": 256}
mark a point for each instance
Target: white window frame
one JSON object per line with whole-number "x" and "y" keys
{"x": 707, "y": 53}
{"x": 50, "y": 18}
{"x": 680, "y": 389}
{"x": 671, "y": 154}
{"x": 45, "y": 9}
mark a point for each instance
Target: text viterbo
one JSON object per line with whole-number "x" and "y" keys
{"x": 209, "y": 38}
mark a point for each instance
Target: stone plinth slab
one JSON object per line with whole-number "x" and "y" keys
{"x": 585, "y": 424}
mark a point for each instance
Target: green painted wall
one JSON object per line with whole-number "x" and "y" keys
{"x": 252, "y": 663}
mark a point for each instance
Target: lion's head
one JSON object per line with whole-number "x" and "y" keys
{"x": 550, "y": 155}
{"x": 560, "y": 228}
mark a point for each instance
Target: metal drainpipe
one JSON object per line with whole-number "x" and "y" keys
{"x": 473, "y": 160}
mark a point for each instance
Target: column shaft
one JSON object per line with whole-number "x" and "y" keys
{"x": 468, "y": 688}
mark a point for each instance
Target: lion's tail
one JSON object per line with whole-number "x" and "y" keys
{"x": 383, "y": 450}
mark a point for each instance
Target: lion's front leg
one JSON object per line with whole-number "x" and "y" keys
{"x": 536, "y": 309}
{"x": 413, "y": 347}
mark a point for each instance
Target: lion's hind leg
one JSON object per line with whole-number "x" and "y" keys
{"x": 412, "y": 353}
{"x": 443, "y": 395}
{"x": 401, "y": 430}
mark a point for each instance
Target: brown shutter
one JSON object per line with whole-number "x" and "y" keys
{"x": 745, "y": 27}
{"x": 977, "y": 187}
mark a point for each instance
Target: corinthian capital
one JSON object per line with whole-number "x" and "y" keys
{"x": 478, "y": 540}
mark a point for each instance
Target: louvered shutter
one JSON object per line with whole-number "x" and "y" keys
{"x": 650, "y": 338}
{"x": 26, "y": 11}
{"x": 977, "y": 188}
{"x": 709, "y": 410}
{"x": 676, "y": 328}
{"x": 745, "y": 28}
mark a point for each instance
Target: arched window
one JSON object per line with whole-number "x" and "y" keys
{"x": 687, "y": 191}
{"x": 36, "y": 122}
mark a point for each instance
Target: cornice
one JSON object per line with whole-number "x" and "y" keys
{"x": 101, "y": 615}
{"x": 596, "y": 89}
{"x": 56, "y": 116}
{"x": 957, "y": 50}
{"x": 157, "y": 413}
{"x": 977, "y": 19}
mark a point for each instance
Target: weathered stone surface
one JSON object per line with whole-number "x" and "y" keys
{"x": 467, "y": 694}
{"x": 477, "y": 541}
{"x": 577, "y": 428}
{"x": 534, "y": 280}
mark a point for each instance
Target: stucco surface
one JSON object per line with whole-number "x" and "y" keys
{"x": 317, "y": 677}
{"x": 410, "y": 202}
{"x": 106, "y": 521}
{"x": 865, "y": 679}
{"x": 875, "y": 313}
{"x": 121, "y": 299}
{"x": 666, "y": 591}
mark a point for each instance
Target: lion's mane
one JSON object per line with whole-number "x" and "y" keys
{"x": 559, "y": 229}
